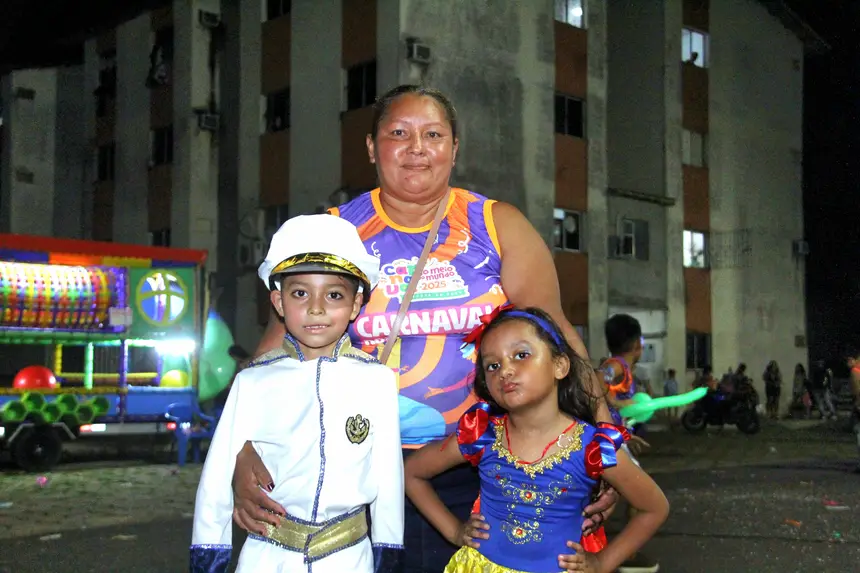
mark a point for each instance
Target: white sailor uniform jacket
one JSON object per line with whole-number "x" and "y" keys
{"x": 328, "y": 432}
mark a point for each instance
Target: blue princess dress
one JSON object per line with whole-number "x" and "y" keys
{"x": 532, "y": 509}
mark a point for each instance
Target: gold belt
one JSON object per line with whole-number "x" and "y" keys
{"x": 316, "y": 541}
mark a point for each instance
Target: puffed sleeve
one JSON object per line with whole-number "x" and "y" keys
{"x": 386, "y": 511}
{"x": 601, "y": 452}
{"x": 211, "y": 539}
{"x": 475, "y": 432}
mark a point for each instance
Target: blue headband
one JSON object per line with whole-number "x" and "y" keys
{"x": 543, "y": 324}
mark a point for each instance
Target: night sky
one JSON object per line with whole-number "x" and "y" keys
{"x": 50, "y": 32}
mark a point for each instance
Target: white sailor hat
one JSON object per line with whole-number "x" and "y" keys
{"x": 319, "y": 244}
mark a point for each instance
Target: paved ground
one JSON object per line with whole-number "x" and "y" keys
{"x": 739, "y": 504}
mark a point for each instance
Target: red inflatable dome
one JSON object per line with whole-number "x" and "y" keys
{"x": 34, "y": 378}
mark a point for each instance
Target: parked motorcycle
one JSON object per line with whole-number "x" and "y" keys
{"x": 720, "y": 408}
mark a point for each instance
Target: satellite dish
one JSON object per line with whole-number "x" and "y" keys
{"x": 570, "y": 224}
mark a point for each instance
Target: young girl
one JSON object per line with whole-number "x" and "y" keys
{"x": 539, "y": 456}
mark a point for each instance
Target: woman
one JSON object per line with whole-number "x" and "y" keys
{"x": 773, "y": 388}
{"x": 485, "y": 254}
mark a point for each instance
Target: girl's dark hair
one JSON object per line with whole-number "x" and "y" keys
{"x": 383, "y": 102}
{"x": 573, "y": 398}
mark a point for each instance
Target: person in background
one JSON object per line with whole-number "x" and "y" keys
{"x": 773, "y": 388}
{"x": 853, "y": 362}
{"x": 670, "y": 388}
{"x": 822, "y": 393}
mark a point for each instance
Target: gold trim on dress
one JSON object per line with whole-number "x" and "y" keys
{"x": 316, "y": 541}
{"x": 574, "y": 444}
{"x": 468, "y": 560}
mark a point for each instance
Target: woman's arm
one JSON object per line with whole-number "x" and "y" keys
{"x": 274, "y": 334}
{"x": 420, "y": 467}
{"x": 644, "y": 494}
{"x": 529, "y": 278}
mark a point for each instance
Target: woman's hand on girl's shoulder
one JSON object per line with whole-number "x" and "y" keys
{"x": 580, "y": 561}
{"x": 471, "y": 530}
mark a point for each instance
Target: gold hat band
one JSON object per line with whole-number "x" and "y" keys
{"x": 321, "y": 259}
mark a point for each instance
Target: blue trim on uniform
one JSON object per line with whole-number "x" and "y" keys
{"x": 388, "y": 559}
{"x": 322, "y": 441}
{"x": 208, "y": 558}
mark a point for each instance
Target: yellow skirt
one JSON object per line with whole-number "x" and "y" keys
{"x": 468, "y": 560}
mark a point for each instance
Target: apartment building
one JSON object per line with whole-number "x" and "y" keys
{"x": 655, "y": 145}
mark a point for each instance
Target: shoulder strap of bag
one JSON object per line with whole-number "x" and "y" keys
{"x": 416, "y": 277}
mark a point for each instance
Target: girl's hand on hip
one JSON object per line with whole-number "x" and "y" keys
{"x": 472, "y": 530}
{"x": 581, "y": 561}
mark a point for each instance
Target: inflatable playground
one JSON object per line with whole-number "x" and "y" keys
{"x": 102, "y": 338}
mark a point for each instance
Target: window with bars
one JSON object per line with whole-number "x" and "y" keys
{"x": 278, "y": 111}
{"x": 694, "y": 47}
{"x": 698, "y": 350}
{"x": 694, "y": 148}
{"x": 105, "y": 162}
{"x": 277, "y": 8}
{"x": 570, "y": 12}
{"x": 361, "y": 85}
{"x": 569, "y": 116}
{"x": 695, "y": 250}
{"x": 162, "y": 145}
{"x": 567, "y": 230}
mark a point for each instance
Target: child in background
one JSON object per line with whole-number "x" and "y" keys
{"x": 539, "y": 455}
{"x": 670, "y": 388}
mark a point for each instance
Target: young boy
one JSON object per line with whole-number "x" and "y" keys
{"x": 624, "y": 339}
{"x": 321, "y": 414}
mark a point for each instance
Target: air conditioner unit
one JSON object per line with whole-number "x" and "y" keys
{"x": 801, "y": 248}
{"x": 418, "y": 53}
{"x": 209, "y": 20}
{"x": 251, "y": 253}
{"x": 208, "y": 121}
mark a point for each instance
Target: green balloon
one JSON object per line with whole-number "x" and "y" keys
{"x": 217, "y": 367}
{"x": 644, "y": 405}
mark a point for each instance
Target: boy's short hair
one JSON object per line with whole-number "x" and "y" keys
{"x": 852, "y": 352}
{"x": 672, "y": 372}
{"x": 622, "y": 331}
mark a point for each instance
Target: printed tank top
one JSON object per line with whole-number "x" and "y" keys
{"x": 461, "y": 282}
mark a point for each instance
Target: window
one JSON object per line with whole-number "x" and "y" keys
{"x": 164, "y": 41}
{"x": 698, "y": 350}
{"x": 694, "y": 47}
{"x": 277, "y": 8}
{"x": 106, "y": 162}
{"x": 275, "y": 216}
{"x": 695, "y": 250}
{"x": 162, "y": 145}
{"x": 160, "y": 238}
{"x": 633, "y": 241}
{"x": 106, "y": 90}
{"x": 570, "y": 12}
{"x": 278, "y": 111}
{"x": 567, "y": 230}
{"x": 360, "y": 85}
{"x": 694, "y": 149}
{"x": 569, "y": 116}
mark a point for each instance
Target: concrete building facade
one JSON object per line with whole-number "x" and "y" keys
{"x": 655, "y": 145}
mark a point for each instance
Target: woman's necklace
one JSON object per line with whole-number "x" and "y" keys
{"x": 556, "y": 441}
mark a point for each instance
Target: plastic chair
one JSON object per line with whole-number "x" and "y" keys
{"x": 192, "y": 427}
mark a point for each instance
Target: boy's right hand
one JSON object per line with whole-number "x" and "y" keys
{"x": 250, "y": 479}
{"x": 472, "y": 529}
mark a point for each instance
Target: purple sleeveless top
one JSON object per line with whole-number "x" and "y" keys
{"x": 460, "y": 283}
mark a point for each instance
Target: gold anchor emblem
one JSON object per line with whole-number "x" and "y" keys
{"x": 357, "y": 428}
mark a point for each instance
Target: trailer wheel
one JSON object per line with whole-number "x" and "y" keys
{"x": 37, "y": 450}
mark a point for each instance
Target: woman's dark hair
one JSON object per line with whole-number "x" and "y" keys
{"x": 383, "y": 102}
{"x": 573, "y": 399}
